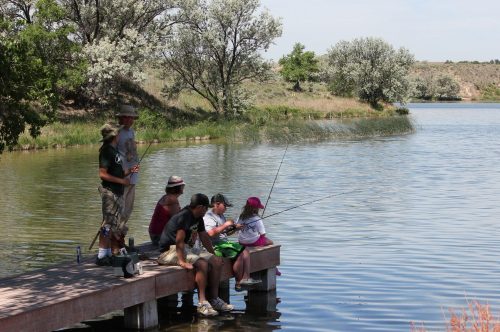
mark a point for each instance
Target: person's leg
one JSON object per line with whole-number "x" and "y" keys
{"x": 241, "y": 266}
{"x": 214, "y": 272}
{"x": 200, "y": 278}
{"x": 129, "y": 197}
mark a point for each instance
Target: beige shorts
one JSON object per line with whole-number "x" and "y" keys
{"x": 169, "y": 257}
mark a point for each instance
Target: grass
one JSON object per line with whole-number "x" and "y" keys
{"x": 478, "y": 318}
{"x": 278, "y": 114}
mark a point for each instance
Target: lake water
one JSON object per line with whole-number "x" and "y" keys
{"x": 410, "y": 232}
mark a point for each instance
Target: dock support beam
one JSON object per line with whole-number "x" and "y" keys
{"x": 141, "y": 316}
{"x": 268, "y": 278}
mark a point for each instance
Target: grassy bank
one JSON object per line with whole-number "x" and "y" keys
{"x": 272, "y": 124}
{"x": 278, "y": 114}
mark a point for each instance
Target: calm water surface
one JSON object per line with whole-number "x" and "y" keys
{"x": 411, "y": 233}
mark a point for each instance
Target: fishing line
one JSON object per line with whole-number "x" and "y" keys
{"x": 310, "y": 202}
{"x": 269, "y": 196}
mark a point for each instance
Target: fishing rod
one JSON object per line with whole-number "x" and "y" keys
{"x": 310, "y": 202}
{"x": 270, "y": 191}
{"x": 232, "y": 231}
{"x": 149, "y": 145}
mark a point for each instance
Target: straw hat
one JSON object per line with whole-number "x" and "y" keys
{"x": 175, "y": 181}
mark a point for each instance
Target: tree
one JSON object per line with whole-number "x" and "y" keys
{"x": 299, "y": 66}
{"x": 447, "y": 88}
{"x": 370, "y": 69}
{"x": 118, "y": 37}
{"x": 36, "y": 65}
{"x": 217, "y": 48}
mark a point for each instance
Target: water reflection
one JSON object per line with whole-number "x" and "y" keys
{"x": 417, "y": 237}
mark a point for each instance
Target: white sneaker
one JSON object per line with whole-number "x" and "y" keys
{"x": 219, "y": 305}
{"x": 205, "y": 309}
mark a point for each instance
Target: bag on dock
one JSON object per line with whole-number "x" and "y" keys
{"x": 126, "y": 264}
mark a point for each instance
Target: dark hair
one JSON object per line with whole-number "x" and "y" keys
{"x": 248, "y": 211}
{"x": 106, "y": 142}
{"x": 174, "y": 190}
{"x": 199, "y": 199}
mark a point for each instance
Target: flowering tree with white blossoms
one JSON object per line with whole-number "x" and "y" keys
{"x": 217, "y": 47}
{"x": 118, "y": 37}
{"x": 371, "y": 69}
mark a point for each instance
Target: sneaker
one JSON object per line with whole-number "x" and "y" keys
{"x": 105, "y": 261}
{"x": 205, "y": 309}
{"x": 249, "y": 282}
{"x": 219, "y": 305}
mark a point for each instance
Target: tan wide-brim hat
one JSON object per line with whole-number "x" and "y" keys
{"x": 109, "y": 130}
{"x": 127, "y": 110}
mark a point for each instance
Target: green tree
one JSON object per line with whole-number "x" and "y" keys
{"x": 299, "y": 66}
{"x": 36, "y": 66}
{"x": 447, "y": 88}
{"x": 217, "y": 48}
{"x": 370, "y": 69}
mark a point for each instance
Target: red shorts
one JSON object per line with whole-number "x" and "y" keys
{"x": 259, "y": 243}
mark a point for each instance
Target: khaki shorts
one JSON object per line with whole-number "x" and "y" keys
{"x": 112, "y": 210}
{"x": 169, "y": 257}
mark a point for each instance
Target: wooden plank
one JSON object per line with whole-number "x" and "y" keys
{"x": 53, "y": 298}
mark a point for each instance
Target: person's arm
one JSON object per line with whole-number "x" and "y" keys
{"x": 105, "y": 176}
{"x": 214, "y": 231}
{"x": 179, "y": 248}
{"x": 205, "y": 240}
{"x": 171, "y": 204}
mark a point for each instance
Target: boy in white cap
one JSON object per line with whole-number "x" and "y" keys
{"x": 217, "y": 227}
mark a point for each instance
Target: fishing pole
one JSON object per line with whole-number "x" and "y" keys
{"x": 149, "y": 145}
{"x": 270, "y": 191}
{"x": 231, "y": 231}
{"x": 310, "y": 202}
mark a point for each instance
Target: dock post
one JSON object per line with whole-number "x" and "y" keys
{"x": 268, "y": 278}
{"x": 141, "y": 316}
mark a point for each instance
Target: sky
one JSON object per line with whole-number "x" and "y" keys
{"x": 432, "y": 30}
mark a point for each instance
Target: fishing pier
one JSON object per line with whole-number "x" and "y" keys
{"x": 66, "y": 294}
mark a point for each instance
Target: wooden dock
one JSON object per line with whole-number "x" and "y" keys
{"x": 66, "y": 294}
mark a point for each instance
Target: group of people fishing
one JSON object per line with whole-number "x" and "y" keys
{"x": 193, "y": 237}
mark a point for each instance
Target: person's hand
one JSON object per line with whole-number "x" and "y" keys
{"x": 228, "y": 224}
{"x": 239, "y": 226}
{"x": 126, "y": 181}
{"x": 186, "y": 265}
{"x": 134, "y": 169}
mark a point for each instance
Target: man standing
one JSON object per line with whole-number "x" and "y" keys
{"x": 114, "y": 178}
{"x": 127, "y": 148}
{"x": 176, "y": 244}
{"x": 217, "y": 227}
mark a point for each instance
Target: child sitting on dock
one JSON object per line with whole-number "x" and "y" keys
{"x": 217, "y": 227}
{"x": 252, "y": 232}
